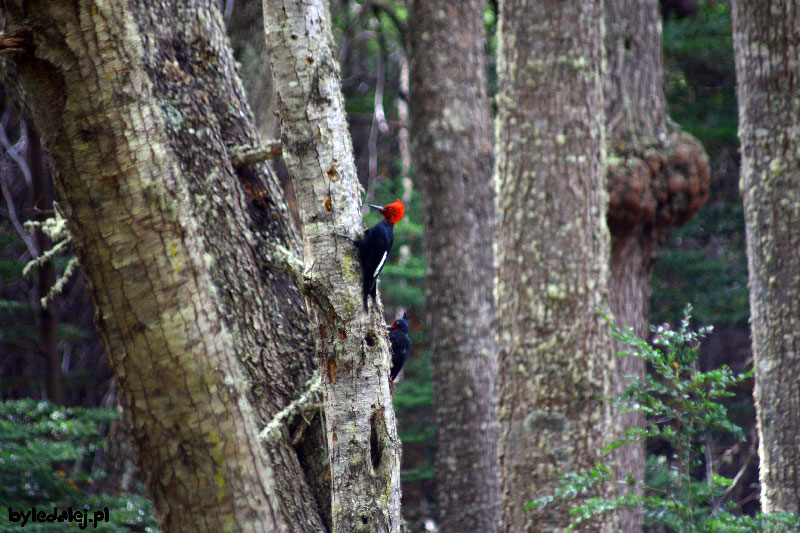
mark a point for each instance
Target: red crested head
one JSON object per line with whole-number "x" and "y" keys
{"x": 394, "y": 211}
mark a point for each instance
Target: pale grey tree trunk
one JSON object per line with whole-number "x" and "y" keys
{"x": 658, "y": 177}
{"x": 207, "y": 342}
{"x": 766, "y": 38}
{"x": 352, "y": 345}
{"x": 552, "y": 253}
{"x": 451, "y": 132}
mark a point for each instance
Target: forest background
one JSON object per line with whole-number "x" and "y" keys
{"x": 702, "y": 262}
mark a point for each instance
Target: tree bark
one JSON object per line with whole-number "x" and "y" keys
{"x": 353, "y": 352}
{"x": 657, "y": 179}
{"x": 766, "y": 37}
{"x": 452, "y": 138}
{"x": 552, "y": 253}
{"x": 140, "y": 110}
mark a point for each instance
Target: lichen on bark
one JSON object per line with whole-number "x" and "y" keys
{"x": 552, "y": 253}
{"x": 363, "y": 446}
{"x": 766, "y": 38}
{"x": 85, "y": 86}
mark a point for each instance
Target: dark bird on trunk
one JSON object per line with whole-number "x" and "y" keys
{"x": 401, "y": 344}
{"x": 375, "y": 246}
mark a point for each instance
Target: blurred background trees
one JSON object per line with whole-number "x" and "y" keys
{"x": 702, "y": 262}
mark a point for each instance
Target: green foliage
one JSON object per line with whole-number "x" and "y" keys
{"x": 700, "y": 74}
{"x": 705, "y": 259}
{"x": 683, "y": 406}
{"x": 46, "y": 455}
{"x": 707, "y": 262}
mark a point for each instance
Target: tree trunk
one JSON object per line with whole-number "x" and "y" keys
{"x": 552, "y": 253}
{"x": 353, "y": 352}
{"x": 246, "y": 29}
{"x": 191, "y": 300}
{"x": 452, "y": 135}
{"x": 657, "y": 178}
{"x": 46, "y": 272}
{"x": 766, "y": 37}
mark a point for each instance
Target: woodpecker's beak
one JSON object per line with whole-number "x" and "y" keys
{"x": 378, "y": 207}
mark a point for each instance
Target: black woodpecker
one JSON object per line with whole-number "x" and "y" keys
{"x": 401, "y": 344}
{"x": 374, "y": 247}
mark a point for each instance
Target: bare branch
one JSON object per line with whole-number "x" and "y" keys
{"x": 248, "y": 155}
{"x": 300, "y": 404}
{"x": 13, "y": 151}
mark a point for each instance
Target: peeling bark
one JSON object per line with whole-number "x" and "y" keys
{"x": 363, "y": 446}
{"x": 141, "y": 108}
{"x": 552, "y": 253}
{"x": 766, "y": 37}
{"x": 452, "y": 135}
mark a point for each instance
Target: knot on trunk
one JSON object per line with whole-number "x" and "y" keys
{"x": 657, "y": 187}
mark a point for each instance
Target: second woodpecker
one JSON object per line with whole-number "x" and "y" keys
{"x": 401, "y": 344}
{"x": 374, "y": 247}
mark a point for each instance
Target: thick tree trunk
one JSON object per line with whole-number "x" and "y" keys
{"x": 766, "y": 37}
{"x": 353, "y": 352}
{"x": 552, "y": 253}
{"x": 139, "y": 131}
{"x": 657, "y": 178}
{"x": 451, "y": 132}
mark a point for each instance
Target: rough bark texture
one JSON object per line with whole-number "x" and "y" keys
{"x": 244, "y": 219}
{"x": 144, "y": 261}
{"x": 353, "y": 352}
{"x": 657, "y": 179}
{"x": 168, "y": 106}
{"x": 451, "y": 132}
{"x": 552, "y": 252}
{"x": 766, "y": 38}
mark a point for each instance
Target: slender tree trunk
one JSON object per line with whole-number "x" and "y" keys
{"x": 657, "y": 178}
{"x": 176, "y": 247}
{"x": 353, "y": 352}
{"x": 766, "y": 37}
{"x": 246, "y": 29}
{"x": 552, "y": 253}
{"x": 452, "y": 137}
{"x": 46, "y": 272}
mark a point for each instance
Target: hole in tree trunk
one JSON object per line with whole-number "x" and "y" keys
{"x": 371, "y": 338}
{"x": 376, "y": 423}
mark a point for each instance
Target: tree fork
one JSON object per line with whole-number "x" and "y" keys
{"x": 261, "y": 310}
{"x": 364, "y": 449}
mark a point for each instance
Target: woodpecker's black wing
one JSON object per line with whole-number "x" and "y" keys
{"x": 374, "y": 249}
{"x": 401, "y": 346}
